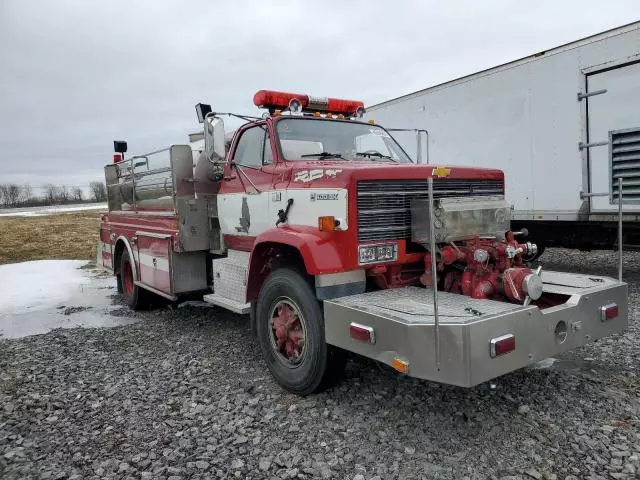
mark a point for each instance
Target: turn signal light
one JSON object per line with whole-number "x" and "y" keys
{"x": 502, "y": 345}
{"x": 327, "y": 224}
{"x": 400, "y": 365}
{"x": 608, "y": 312}
{"x": 362, "y": 333}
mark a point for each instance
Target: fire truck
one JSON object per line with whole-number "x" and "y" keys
{"x": 318, "y": 226}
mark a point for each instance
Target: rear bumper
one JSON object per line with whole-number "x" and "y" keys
{"x": 404, "y": 328}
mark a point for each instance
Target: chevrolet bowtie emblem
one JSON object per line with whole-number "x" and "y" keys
{"x": 440, "y": 172}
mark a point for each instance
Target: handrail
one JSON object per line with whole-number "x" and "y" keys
{"x": 434, "y": 273}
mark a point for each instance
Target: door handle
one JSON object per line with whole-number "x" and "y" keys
{"x": 230, "y": 177}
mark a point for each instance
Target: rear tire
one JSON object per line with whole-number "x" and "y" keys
{"x": 136, "y": 297}
{"x": 290, "y": 331}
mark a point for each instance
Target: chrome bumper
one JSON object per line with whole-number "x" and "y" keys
{"x": 403, "y": 325}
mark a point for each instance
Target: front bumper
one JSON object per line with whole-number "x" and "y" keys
{"x": 404, "y": 327}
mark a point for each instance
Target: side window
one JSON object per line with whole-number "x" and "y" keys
{"x": 268, "y": 154}
{"x": 250, "y": 147}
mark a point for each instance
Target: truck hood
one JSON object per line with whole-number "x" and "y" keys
{"x": 339, "y": 174}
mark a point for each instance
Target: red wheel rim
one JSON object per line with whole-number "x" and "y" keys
{"x": 288, "y": 332}
{"x": 127, "y": 278}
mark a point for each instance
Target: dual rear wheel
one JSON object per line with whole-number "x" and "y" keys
{"x": 136, "y": 297}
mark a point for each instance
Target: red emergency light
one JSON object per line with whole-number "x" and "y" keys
{"x": 283, "y": 100}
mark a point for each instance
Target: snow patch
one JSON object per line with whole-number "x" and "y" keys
{"x": 36, "y": 297}
{"x": 41, "y": 211}
{"x": 41, "y": 284}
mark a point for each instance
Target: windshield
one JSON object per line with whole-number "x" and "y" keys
{"x": 304, "y": 139}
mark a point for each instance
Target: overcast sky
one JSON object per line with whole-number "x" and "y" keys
{"x": 74, "y": 75}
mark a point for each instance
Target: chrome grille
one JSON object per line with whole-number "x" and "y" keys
{"x": 384, "y": 206}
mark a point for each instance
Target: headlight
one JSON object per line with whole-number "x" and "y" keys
{"x": 387, "y": 252}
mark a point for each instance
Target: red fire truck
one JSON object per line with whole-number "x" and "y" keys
{"x": 317, "y": 225}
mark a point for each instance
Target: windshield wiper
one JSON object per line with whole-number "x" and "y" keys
{"x": 374, "y": 154}
{"x": 323, "y": 155}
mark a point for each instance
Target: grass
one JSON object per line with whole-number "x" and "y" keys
{"x": 61, "y": 236}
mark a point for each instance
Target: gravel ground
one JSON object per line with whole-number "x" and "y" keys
{"x": 185, "y": 394}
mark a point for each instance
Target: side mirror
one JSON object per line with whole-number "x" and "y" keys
{"x": 202, "y": 109}
{"x": 214, "y": 144}
{"x": 119, "y": 146}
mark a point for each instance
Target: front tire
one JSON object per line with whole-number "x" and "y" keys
{"x": 290, "y": 331}
{"x": 136, "y": 297}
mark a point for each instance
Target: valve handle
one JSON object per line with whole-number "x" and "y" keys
{"x": 527, "y": 299}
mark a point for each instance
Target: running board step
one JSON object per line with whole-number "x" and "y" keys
{"x": 228, "y": 303}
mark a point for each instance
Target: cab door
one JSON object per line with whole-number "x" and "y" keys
{"x": 243, "y": 200}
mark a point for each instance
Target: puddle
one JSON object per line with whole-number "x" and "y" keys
{"x": 87, "y": 302}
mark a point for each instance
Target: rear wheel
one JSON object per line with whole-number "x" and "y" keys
{"x": 290, "y": 331}
{"x": 137, "y": 298}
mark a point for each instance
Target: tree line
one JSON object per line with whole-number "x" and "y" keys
{"x": 15, "y": 195}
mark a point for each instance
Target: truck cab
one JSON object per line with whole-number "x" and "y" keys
{"x": 318, "y": 225}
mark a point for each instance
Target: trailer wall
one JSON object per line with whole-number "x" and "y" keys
{"x": 526, "y": 119}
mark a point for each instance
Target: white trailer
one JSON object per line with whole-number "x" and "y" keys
{"x": 563, "y": 124}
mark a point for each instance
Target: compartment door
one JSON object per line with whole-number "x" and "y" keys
{"x": 153, "y": 260}
{"x": 616, "y": 109}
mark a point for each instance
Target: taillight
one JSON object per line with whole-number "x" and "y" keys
{"x": 117, "y": 157}
{"x": 608, "y": 312}
{"x": 502, "y": 345}
{"x": 362, "y": 333}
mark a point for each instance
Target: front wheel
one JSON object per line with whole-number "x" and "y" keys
{"x": 290, "y": 331}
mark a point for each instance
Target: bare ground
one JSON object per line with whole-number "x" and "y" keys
{"x": 58, "y": 236}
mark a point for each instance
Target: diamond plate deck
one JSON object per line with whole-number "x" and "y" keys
{"x": 575, "y": 280}
{"x": 415, "y": 305}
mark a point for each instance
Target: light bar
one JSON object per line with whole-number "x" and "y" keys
{"x": 282, "y": 100}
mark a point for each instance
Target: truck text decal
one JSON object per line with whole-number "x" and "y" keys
{"x": 323, "y": 196}
{"x": 309, "y": 175}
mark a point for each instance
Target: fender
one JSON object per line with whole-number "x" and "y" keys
{"x": 134, "y": 264}
{"x": 322, "y": 252}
